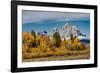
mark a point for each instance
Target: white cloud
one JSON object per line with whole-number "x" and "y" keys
{"x": 38, "y": 16}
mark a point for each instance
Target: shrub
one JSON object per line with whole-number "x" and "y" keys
{"x": 27, "y": 55}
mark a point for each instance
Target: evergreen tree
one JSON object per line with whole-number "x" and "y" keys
{"x": 57, "y": 39}
{"x": 33, "y": 33}
{"x": 71, "y": 36}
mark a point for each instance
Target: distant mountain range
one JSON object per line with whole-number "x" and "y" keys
{"x": 65, "y": 31}
{"x": 68, "y": 29}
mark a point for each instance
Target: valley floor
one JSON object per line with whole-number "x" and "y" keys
{"x": 59, "y": 58}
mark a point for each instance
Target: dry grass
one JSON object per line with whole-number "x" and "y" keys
{"x": 52, "y": 56}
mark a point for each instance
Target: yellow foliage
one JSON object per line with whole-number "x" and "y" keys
{"x": 45, "y": 47}
{"x": 69, "y": 41}
{"x": 61, "y": 52}
{"x": 76, "y": 40}
{"x": 63, "y": 44}
{"x": 24, "y": 48}
{"x": 27, "y": 55}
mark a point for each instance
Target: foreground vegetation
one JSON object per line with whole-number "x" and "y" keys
{"x": 37, "y": 47}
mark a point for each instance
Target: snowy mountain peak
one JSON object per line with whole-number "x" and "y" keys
{"x": 67, "y": 30}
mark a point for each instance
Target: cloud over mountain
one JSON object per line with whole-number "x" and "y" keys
{"x": 40, "y": 16}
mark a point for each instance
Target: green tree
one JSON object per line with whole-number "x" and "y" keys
{"x": 71, "y": 37}
{"x": 34, "y": 36}
{"x": 33, "y": 33}
{"x": 57, "y": 39}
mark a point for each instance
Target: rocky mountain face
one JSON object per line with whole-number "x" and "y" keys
{"x": 66, "y": 31}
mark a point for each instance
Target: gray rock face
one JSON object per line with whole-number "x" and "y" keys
{"x": 66, "y": 31}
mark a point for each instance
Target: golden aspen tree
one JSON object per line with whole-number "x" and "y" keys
{"x": 63, "y": 44}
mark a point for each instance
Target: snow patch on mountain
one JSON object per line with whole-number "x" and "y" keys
{"x": 66, "y": 31}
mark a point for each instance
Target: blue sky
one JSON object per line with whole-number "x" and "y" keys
{"x": 43, "y": 20}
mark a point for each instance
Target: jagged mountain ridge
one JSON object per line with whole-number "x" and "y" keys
{"x": 66, "y": 31}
